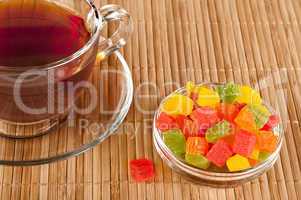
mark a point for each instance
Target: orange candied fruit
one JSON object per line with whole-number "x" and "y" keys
{"x": 266, "y": 141}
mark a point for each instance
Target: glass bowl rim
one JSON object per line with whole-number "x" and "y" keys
{"x": 182, "y": 166}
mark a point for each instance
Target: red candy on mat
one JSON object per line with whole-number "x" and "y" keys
{"x": 244, "y": 143}
{"x": 219, "y": 153}
{"x": 142, "y": 169}
{"x": 165, "y": 122}
{"x": 272, "y": 123}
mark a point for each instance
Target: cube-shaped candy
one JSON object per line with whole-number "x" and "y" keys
{"x": 248, "y": 95}
{"x": 207, "y": 97}
{"x": 228, "y": 92}
{"x": 245, "y": 120}
{"x": 272, "y": 123}
{"x": 229, "y": 139}
{"x": 175, "y": 141}
{"x": 228, "y": 111}
{"x": 206, "y": 116}
{"x": 238, "y": 163}
{"x": 244, "y": 143}
{"x": 180, "y": 120}
{"x": 219, "y": 153}
{"x": 190, "y": 128}
{"x": 218, "y": 131}
{"x": 261, "y": 115}
{"x": 266, "y": 141}
{"x": 198, "y": 161}
{"x": 177, "y": 104}
{"x": 165, "y": 122}
{"x": 142, "y": 169}
{"x": 196, "y": 146}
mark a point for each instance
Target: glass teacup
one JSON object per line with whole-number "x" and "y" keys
{"x": 44, "y": 96}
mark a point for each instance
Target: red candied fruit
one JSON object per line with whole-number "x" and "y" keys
{"x": 244, "y": 143}
{"x": 272, "y": 123}
{"x": 190, "y": 128}
{"x": 142, "y": 169}
{"x": 228, "y": 111}
{"x": 219, "y": 153}
{"x": 205, "y": 116}
{"x": 180, "y": 120}
{"x": 165, "y": 122}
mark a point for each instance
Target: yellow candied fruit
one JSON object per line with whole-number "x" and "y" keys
{"x": 207, "y": 97}
{"x": 237, "y": 163}
{"x": 262, "y": 109}
{"x": 177, "y": 104}
{"x": 248, "y": 96}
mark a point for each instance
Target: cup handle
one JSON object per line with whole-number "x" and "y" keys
{"x": 119, "y": 38}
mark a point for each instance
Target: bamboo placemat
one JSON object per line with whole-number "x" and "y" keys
{"x": 255, "y": 42}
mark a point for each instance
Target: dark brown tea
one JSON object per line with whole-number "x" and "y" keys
{"x": 38, "y": 33}
{"x": 35, "y": 33}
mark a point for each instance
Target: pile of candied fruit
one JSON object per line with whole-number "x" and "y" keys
{"x": 223, "y": 127}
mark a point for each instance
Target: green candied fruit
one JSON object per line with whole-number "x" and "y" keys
{"x": 175, "y": 141}
{"x": 218, "y": 131}
{"x": 228, "y": 92}
{"x": 260, "y": 113}
{"x": 263, "y": 156}
{"x": 198, "y": 161}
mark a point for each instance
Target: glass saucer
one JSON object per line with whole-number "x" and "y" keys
{"x": 114, "y": 90}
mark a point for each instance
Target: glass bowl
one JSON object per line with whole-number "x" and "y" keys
{"x": 213, "y": 178}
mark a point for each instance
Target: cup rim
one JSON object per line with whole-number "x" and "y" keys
{"x": 181, "y": 166}
{"x": 63, "y": 61}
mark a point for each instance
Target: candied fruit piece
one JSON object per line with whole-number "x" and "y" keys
{"x": 165, "y": 122}
{"x": 191, "y": 128}
{"x": 180, "y": 120}
{"x": 248, "y": 95}
{"x": 271, "y": 123}
{"x": 237, "y": 163}
{"x": 175, "y": 141}
{"x": 228, "y": 111}
{"x": 198, "y": 161}
{"x": 196, "y": 146}
{"x": 218, "y": 131}
{"x": 142, "y": 169}
{"x": 261, "y": 115}
{"x": 177, "y": 104}
{"x": 206, "y": 116}
{"x": 228, "y": 92}
{"x": 266, "y": 141}
{"x": 219, "y": 153}
{"x": 245, "y": 120}
{"x": 244, "y": 143}
{"x": 207, "y": 97}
